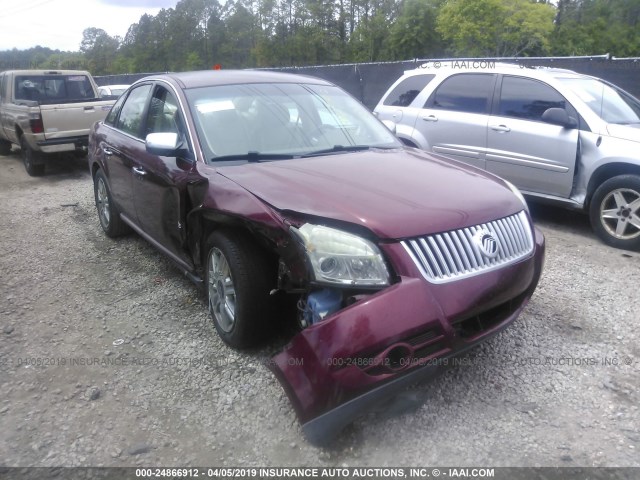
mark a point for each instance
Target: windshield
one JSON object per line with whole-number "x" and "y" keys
{"x": 608, "y": 102}
{"x": 266, "y": 120}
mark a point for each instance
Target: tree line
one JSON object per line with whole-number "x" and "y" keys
{"x": 198, "y": 34}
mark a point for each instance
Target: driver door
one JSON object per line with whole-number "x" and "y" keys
{"x": 534, "y": 155}
{"x": 159, "y": 183}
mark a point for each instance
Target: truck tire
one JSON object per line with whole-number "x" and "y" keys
{"x": 33, "y": 161}
{"x": 615, "y": 212}
{"x": 5, "y": 147}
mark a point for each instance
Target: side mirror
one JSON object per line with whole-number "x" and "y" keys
{"x": 164, "y": 144}
{"x": 560, "y": 117}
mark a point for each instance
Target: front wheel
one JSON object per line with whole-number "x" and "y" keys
{"x": 615, "y": 212}
{"x": 238, "y": 280}
{"x": 33, "y": 161}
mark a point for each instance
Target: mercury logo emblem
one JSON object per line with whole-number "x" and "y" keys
{"x": 486, "y": 243}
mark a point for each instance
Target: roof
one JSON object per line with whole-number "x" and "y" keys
{"x": 207, "y": 78}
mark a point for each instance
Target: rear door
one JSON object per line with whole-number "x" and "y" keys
{"x": 454, "y": 118}
{"x": 122, "y": 144}
{"x": 536, "y": 156}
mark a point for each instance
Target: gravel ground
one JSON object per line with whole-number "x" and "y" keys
{"x": 102, "y": 342}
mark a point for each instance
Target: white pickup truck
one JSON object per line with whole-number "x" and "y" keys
{"x": 48, "y": 111}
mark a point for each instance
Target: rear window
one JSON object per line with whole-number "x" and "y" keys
{"x": 407, "y": 90}
{"x": 53, "y": 88}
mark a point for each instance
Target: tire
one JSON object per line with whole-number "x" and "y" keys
{"x": 238, "y": 280}
{"x": 5, "y": 147}
{"x": 615, "y": 212}
{"x": 108, "y": 213}
{"x": 33, "y": 161}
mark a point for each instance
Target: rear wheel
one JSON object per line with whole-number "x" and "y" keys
{"x": 108, "y": 213}
{"x": 239, "y": 279}
{"x": 5, "y": 147}
{"x": 33, "y": 161}
{"x": 615, "y": 212}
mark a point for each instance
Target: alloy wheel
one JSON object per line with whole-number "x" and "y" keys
{"x": 222, "y": 293}
{"x": 102, "y": 201}
{"x": 620, "y": 213}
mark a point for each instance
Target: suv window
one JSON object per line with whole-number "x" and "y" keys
{"x": 528, "y": 99}
{"x": 607, "y": 101}
{"x": 130, "y": 119}
{"x": 464, "y": 93}
{"x": 407, "y": 90}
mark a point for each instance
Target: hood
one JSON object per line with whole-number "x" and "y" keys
{"x": 394, "y": 193}
{"x": 625, "y": 132}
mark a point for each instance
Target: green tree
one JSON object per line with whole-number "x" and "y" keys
{"x": 413, "y": 34}
{"x": 587, "y": 27}
{"x": 99, "y": 50}
{"x": 496, "y": 28}
{"x": 240, "y": 37}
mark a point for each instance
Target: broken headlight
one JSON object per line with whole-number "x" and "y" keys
{"x": 342, "y": 258}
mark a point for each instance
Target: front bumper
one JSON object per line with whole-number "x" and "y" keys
{"x": 336, "y": 369}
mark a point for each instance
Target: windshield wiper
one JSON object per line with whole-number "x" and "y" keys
{"x": 337, "y": 149}
{"x": 253, "y": 157}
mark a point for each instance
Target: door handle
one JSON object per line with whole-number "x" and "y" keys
{"x": 430, "y": 118}
{"x": 500, "y": 128}
{"x": 139, "y": 170}
{"x": 107, "y": 150}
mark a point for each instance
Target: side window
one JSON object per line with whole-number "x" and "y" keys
{"x": 407, "y": 90}
{"x": 468, "y": 93}
{"x": 131, "y": 114}
{"x": 113, "y": 113}
{"x": 164, "y": 114}
{"x": 528, "y": 99}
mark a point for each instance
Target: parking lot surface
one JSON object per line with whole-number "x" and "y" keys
{"x": 108, "y": 358}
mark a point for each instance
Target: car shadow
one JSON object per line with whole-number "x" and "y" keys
{"x": 561, "y": 219}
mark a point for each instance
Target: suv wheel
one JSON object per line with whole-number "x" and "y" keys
{"x": 615, "y": 212}
{"x": 238, "y": 282}
{"x": 33, "y": 161}
{"x": 108, "y": 214}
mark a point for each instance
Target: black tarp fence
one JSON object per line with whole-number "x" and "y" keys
{"x": 369, "y": 81}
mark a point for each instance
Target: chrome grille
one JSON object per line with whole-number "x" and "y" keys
{"x": 448, "y": 256}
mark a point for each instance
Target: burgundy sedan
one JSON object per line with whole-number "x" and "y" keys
{"x": 274, "y": 191}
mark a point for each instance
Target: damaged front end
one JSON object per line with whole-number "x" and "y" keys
{"x": 372, "y": 324}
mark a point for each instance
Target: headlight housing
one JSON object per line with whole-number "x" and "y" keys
{"x": 518, "y": 194}
{"x": 341, "y": 258}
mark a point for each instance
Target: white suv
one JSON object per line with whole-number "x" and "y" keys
{"x": 558, "y": 135}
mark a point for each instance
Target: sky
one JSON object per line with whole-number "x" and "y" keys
{"x": 58, "y": 24}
